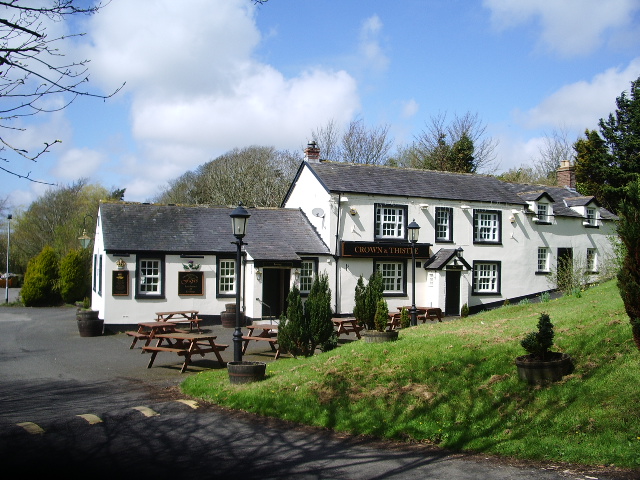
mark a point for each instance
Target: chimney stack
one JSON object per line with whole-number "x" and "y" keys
{"x": 566, "y": 175}
{"x": 312, "y": 153}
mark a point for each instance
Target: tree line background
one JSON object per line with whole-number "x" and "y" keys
{"x": 605, "y": 162}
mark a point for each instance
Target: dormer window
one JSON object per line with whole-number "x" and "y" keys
{"x": 543, "y": 214}
{"x": 591, "y": 217}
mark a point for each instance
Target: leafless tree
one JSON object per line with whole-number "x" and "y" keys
{"x": 556, "y": 148}
{"x": 433, "y": 146}
{"x": 33, "y": 70}
{"x": 356, "y": 144}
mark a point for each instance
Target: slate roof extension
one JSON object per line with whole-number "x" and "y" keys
{"x": 408, "y": 182}
{"x": 273, "y": 234}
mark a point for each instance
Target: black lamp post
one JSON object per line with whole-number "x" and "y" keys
{"x": 239, "y": 218}
{"x": 6, "y": 280}
{"x": 414, "y": 232}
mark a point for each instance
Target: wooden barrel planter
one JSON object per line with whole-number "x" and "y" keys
{"x": 246, "y": 372}
{"x": 538, "y": 372}
{"x": 89, "y": 325}
{"x": 228, "y": 317}
{"x": 373, "y": 336}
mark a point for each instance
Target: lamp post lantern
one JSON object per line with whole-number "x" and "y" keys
{"x": 6, "y": 280}
{"x": 414, "y": 232}
{"x": 239, "y": 218}
{"x": 85, "y": 239}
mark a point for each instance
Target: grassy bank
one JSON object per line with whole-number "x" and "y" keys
{"x": 454, "y": 384}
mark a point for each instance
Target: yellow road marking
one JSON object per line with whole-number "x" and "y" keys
{"x": 32, "y": 428}
{"x": 91, "y": 418}
{"x": 146, "y": 411}
{"x": 192, "y": 403}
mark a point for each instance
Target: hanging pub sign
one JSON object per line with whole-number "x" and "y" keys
{"x": 377, "y": 249}
{"x": 120, "y": 283}
{"x": 190, "y": 283}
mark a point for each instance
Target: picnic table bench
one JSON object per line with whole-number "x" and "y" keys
{"x": 347, "y": 325}
{"x": 185, "y": 344}
{"x": 268, "y": 334}
{"x": 181, "y": 316}
{"x": 147, "y": 330}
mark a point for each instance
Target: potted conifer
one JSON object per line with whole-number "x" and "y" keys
{"x": 541, "y": 365}
{"x": 380, "y": 334}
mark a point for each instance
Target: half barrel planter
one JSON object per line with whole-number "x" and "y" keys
{"x": 228, "y": 317}
{"x": 373, "y": 336}
{"x": 246, "y": 372}
{"x": 89, "y": 325}
{"x": 539, "y": 372}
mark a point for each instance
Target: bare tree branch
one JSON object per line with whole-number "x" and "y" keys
{"x": 32, "y": 70}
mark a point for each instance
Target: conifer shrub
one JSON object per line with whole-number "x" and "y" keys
{"x": 464, "y": 311}
{"x": 73, "y": 277}
{"x": 405, "y": 319}
{"x": 41, "y": 280}
{"x": 292, "y": 331}
{"x": 382, "y": 315}
{"x": 366, "y": 299}
{"x": 538, "y": 343}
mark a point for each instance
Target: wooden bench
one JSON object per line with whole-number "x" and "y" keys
{"x": 269, "y": 334}
{"x": 137, "y": 336}
{"x": 186, "y": 345}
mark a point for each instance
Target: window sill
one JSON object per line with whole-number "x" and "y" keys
{"x": 591, "y": 226}
{"x": 542, "y": 272}
{"x": 485, "y": 294}
{"x": 482, "y": 242}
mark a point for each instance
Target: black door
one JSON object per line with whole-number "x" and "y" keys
{"x": 452, "y": 297}
{"x": 275, "y": 288}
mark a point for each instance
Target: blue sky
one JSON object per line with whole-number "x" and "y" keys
{"x": 206, "y": 76}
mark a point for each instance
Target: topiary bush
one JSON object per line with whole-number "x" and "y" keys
{"x": 382, "y": 316}
{"x": 41, "y": 280}
{"x": 293, "y": 331}
{"x": 537, "y": 344}
{"x": 464, "y": 312}
{"x": 405, "y": 319}
{"x": 318, "y": 311}
{"x": 366, "y": 300}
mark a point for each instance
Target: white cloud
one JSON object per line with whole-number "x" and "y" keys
{"x": 78, "y": 163}
{"x": 410, "y": 108}
{"x": 569, "y": 27}
{"x": 369, "y": 47}
{"x": 196, "y": 91}
{"x": 580, "y": 105}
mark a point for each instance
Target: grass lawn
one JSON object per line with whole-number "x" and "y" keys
{"x": 455, "y": 385}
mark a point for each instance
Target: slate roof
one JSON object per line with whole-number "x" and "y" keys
{"x": 563, "y": 198}
{"x": 273, "y": 234}
{"x": 441, "y": 258}
{"x": 407, "y": 182}
{"x": 347, "y": 178}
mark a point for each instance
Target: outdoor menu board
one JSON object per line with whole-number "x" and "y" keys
{"x": 190, "y": 283}
{"x": 120, "y": 283}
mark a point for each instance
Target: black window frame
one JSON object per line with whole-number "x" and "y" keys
{"x": 235, "y": 276}
{"x": 498, "y": 291}
{"x": 476, "y": 212}
{"x": 404, "y": 208}
{"x": 449, "y": 210}
{"x": 163, "y": 277}
{"x": 315, "y": 261}
{"x": 403, "y": 261}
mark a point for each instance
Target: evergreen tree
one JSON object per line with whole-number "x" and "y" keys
{"x": 607, "y": 161}
{"x": 629, "y": 274}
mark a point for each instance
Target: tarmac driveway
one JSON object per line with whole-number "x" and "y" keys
{"x": 49, "y": 375}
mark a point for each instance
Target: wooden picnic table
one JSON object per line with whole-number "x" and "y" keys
{"x": 426, "y": 313}
{"x": 269, "y": 333}
{"x": 186, "y": 344}
{"x": 347, "y": 325}
{"x": 181, "y": 316}
{"x": 148, "y": 330}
